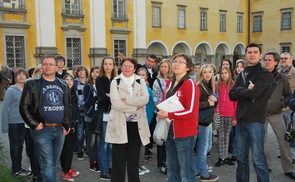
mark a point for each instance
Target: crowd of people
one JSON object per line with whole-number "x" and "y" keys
{"x": 110, "y": 113}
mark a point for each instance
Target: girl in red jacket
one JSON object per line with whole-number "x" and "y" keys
{"x": 227, "y": 110}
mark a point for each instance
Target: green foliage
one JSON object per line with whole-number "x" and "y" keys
{"x": 6, "y": 177}
{"x": 2, "y": 152}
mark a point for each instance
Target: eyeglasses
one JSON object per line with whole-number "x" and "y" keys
{"x": 21, "y": 75}
{"x": 130, "y": 66}
{"x": 69, "y": 80}
{"x": 50, "y": 64}
{"x": 178, "y": 62}
{"x": 284, "y": 58}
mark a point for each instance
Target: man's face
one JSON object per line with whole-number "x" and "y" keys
{"x": 150, "y": 62}
{"x": 197, "y": 68}
{"x": 49, "y": 67}
{"x": 270, "y": 63}
{"x": 60, "y": 63}
{"x": 286, "y": 60}
{"x": 253, "y": 55}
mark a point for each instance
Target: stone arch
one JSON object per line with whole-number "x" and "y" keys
{"x": 203, "y": 52}
{"x": 158, "y": 48}
{"x": 181, "y": 47}
{"x": 222, "y": 51}
{"x": 238, "y": 52}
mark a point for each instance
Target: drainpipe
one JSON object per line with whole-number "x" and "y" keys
{"x": 249, "y": 16}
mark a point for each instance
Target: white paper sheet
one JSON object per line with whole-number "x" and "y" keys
{"x": 171, "y": 104}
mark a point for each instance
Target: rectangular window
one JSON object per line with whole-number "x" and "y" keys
{"x": 73, "y": 52}
{"x": 286, "y": 23}
{"x": 15, "y": 51}
{"x": 240, "y": 23}
{"x": 285, "y": 47}
{"x": 156, "y": 15}
{"x": 72, "y": 7}
{"x": 181, "y": 17}
{"x": 203, "y": 20}
{"x": 119, "y": 9}
{"x": 14, "y": 4}
{"x": 119, "y": 46}
{"x": 222, "y": 26}
{"x": 257, "y": 23}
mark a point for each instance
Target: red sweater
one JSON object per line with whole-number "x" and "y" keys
{"x": 227, "y": 108}
{"x": 185, "y": 122}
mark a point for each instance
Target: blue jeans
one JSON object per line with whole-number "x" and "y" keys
{"x": 81, "y": 132}
{"x": 16, "y": 136}
{"x": 179, "y": 153}
{"x": 104, "y": 151}
{"x": 210, "y": 134}
{"x": 202, "y": 149}
{"x": 251, "y": 134}
{"x": 49, "y": 143}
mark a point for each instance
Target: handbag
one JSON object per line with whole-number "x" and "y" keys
{"x": 161, "y": 131}
{"x": 206, "y": 116}
{"x": 97, "y": 121}
{"x": 216, "y": 120}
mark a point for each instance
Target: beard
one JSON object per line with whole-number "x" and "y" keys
{"x": 284, "y": 66}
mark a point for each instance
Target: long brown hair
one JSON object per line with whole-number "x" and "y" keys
{"x": 102, "y": 72}
{"x": 229, "y": 82}
{"x": 90, "y": 79}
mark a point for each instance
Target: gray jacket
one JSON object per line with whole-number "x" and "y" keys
{"x": 281, "y": 92}
{"x": 10, "y": 110}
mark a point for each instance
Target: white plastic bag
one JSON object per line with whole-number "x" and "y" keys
{"x": 161, "y": 131}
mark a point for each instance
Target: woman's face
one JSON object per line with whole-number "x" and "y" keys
{"x": 108, "y": 66}
{"x": 69, "y": 81}
{"x": 208, "y": 74}
{"x": 142, "y": 74}
{"x": 239, "y": 68}
{"x": 38, "y": 73}
{"x": 128, "y": 68}
{"x": 164, "y": 68}
{"x": 95, "y": 73}
{"x": 179, "y": 66}
{"x": 224, "y": 75}
{"x": 21, "y": 78}
{"x": 225, "y": 64}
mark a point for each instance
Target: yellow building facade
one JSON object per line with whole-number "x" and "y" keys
{"x": 86, "y": 31}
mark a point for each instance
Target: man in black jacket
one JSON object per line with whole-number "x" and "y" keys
{"x": 281, "y": 92}
{"x": 45, "y": 108}
{"x": 252, "y": 93}
{"x": 150, "y": 62}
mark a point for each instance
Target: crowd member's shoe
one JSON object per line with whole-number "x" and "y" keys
{"x": 208, "y": 155}
{"x": 291, "y": 175}
{"x": 80, "y": 156}
{"x": 163, "y": 169}
{"x": 269, "y": 170}
{"x": 233, "y": 158}
{"x": 94, "y": 167}
{"x": 148, "y": 152}
{"x": 141, "y": 172}
{"x": 146, "y": 170}
{"x": 68, "y": 177}
{"x": 211, "y": 178}
{"x": 37, "y": 178}
{"x": 147, "y": 158}
{"x": 105, "y": 177}
{"x": 219, "y": 163}
{"x": 209, "y": 169}
{"x": 293, "y": 161}
{"x": 74, "y": 173}
{"x": 22, "y": 173}
{"x": 229, "y": 162}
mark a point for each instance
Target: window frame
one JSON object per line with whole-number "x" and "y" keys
{"x": 203, "y": 19}
{"x": 222, "y": 20}
{"x": 16, "y": 57}
{"x": 117, "y": 15}
{"x": 181, "y": 8}
{"x": 117, "y": 50}
{"x": 240, "y": 22}
{"x": 259, "y": 23}
{"x": 285, "y": 45}
{"x": 156, "y": 19}
{"x": 72, "y": 10}
{"x": 73, "y": 51}
{"x": 9, "y": 5}
{"x": 286, "y": 11}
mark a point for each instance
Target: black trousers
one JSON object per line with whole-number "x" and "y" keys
{"x": 127, "y": 153}
{"x": 67, "y": 153}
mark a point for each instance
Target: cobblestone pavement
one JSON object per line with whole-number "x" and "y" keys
{"x": 226, "y": 173}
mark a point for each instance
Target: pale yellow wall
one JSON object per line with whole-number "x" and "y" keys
{"x": 170, "y": 34}
{"x": 271, "y": 35}
{"x": 86, "y": 34}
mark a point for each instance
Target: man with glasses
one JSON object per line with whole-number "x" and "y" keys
{"x": 281, "y": 93}
{"x": 44, "y": 106}
{"x": 288, "y": 70}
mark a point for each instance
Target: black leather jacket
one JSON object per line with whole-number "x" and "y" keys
{"x": 31, "y": 100}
